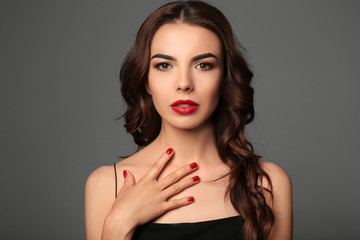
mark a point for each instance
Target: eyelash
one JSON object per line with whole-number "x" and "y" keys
{"x": 163, "y": 66}
{"x": 207, "y": 65}
{"x": 160, "y": 66}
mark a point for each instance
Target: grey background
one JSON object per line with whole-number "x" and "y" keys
{"x": 60, "y": 96}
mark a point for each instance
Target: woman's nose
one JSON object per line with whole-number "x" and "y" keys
{"x": 185, "y": 82}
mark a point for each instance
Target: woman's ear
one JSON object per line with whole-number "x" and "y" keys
{"x": 147, "y": 88}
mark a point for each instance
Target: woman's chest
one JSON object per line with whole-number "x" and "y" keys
{"x": 210, "y": 202}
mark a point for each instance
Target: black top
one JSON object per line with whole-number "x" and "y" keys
{"x": 219, "y": 229}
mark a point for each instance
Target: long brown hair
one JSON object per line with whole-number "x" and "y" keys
{"x": 234, "y": 111}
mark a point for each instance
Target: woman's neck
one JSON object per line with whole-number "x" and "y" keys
{"x": 196, "y": 145}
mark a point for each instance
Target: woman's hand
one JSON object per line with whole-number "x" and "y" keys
{"x": 141, "y": 202}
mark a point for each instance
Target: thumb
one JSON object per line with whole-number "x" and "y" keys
{"x": 129, "y": 179}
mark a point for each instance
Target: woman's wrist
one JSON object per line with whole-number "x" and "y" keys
{"x": 116, "y": 227}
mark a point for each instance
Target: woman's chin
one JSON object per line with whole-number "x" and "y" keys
{"x": 187, "y": 124}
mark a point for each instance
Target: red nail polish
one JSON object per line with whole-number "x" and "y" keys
{"x": 124, "y": 173}
{"x": 190, "y": 199}
{"x": 193, "y": 165}
{"x": 169, "y": 151}
{"x": 196, "y": 178}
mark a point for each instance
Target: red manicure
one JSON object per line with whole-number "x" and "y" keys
{"x": 196, "y": 178}
{"x": 124, "y": 173}
{"x": 193, "y": 165}
{"x": 190, "y": 199}
{"x": 169, "y": 151}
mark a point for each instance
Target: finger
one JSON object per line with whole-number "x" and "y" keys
{"x": 129, "y": 179}
{"x": 177, "y": 203}
{"x": 157, "y": 168}
{"x": 177, "y": 175}
{"x": 180, "y": 186}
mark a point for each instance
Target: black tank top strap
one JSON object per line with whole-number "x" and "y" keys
{"x": 115, "y": 180}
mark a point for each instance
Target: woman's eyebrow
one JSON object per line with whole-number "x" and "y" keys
{"x": 196, "y": 58}
{"x": 202, "y": 56}
{"x": 159, "y": 55}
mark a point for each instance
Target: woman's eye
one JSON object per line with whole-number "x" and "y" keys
{"x": 163, "y": 66}
{"x": 204, "y": 66}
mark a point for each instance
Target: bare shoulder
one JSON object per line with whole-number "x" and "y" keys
{"x": 138, "y": 164}
{"x": 100, "y": 189}
{"x": 282, "y": 202}
{"x": 101, "y": 173}
{"x": 103, "y": 180}
{"x": 281, "y": 184}
{"x": 279, "y": 178}
{"x": 100, "y": 179}
{"x": 99, "y": 198}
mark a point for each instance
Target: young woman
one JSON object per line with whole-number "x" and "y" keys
{"x": 194, "y": 176}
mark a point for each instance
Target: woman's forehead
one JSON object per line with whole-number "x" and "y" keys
{"x": 181, "y": 39}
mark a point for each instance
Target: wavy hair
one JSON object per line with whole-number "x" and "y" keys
{"x": 234, "y": 111}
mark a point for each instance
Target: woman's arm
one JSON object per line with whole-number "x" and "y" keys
{"x": 136, "y": 203}
{"x": 99, "y": 198}
{"x": 282, "y": 204}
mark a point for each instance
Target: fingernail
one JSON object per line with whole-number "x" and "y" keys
{"x": 124, "y": 173}
{"x": 193, "y": 165}
{"x": 190, "y": 199}
{"x": 196, "y": 178}
{"x": 169, "y": 151}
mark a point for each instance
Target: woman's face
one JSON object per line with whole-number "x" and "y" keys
{"x": 185, "y": 73}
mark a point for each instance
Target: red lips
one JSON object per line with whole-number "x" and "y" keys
{"x": 184, "y": 106}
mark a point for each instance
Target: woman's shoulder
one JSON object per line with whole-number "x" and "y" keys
{"x": 281, "y": 185}
{"x": 104, "y": 176}
{"x": 101, "y": 188}
{"x": 100, "y": 184}
{"x": 101, "y": 174}
{"x": 281, "y": 203}
{"x": 276, "y": 173}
